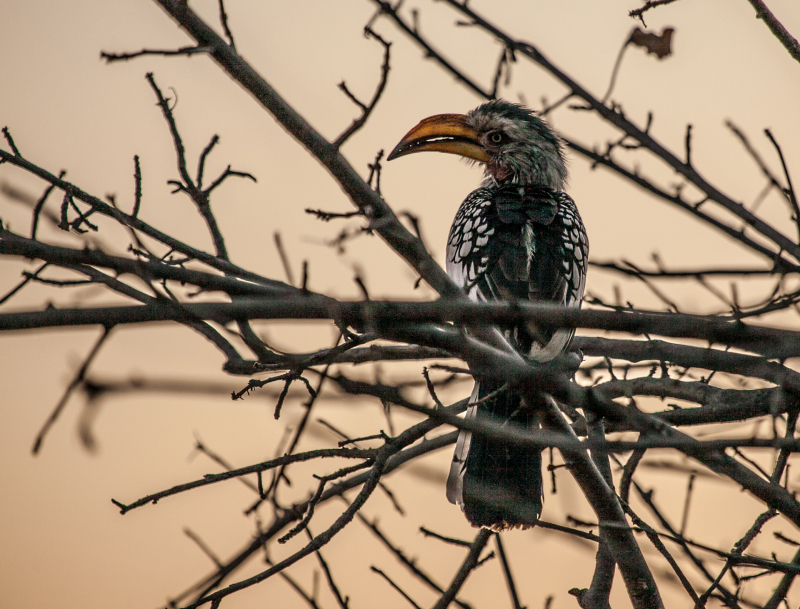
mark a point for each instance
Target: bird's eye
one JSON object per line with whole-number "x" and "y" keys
{"x": 497, "y": 137}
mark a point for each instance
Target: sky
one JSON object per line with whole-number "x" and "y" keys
{"x": 63, "y": 543}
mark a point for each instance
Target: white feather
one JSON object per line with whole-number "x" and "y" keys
{"x": 455, "y": 479}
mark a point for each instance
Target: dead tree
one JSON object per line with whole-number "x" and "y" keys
{"x": 633, "y": 406}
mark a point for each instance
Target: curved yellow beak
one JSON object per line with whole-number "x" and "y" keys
{"x": 442, "y": 133}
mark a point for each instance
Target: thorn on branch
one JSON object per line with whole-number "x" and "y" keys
{"x": 201, "y": 165}
{"x": 375, "y": 171}
{"x": 551, "y": 467}
{"x": 137, "y": 193}
{"x": 638, "y": 13}
{"x": 10, "y": 141}
{"x": 122, "y": 507}
{"x": 360, "y": 283}
{"x": 688, "y": 143}
{"x": 580, "y": 108}
{"x": 223, "y": 17}
{"x": 304, "y": 279}
{"x": 415, "y": 224}
{"x": 431, "y": 388}
{"x": 63, "y": 224}
{"x": 37, "y": 210}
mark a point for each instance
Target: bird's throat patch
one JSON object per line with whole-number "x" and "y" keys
{"x": 498, "y": 172}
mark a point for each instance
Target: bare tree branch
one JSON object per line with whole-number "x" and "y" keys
{"x": 786, "y": 39}
{"x": 469, "y": 564}
{"x": 74, "y": 383}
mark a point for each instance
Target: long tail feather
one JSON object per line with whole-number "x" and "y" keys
{"x": 498, "y": 485}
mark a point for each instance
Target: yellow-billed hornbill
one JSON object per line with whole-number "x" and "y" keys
{"x": 517, "y": 237}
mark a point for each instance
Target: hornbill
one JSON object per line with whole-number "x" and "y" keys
{"x": 517, "y": 237}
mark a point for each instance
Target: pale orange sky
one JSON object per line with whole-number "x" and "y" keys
{"x": 62, "y": 543}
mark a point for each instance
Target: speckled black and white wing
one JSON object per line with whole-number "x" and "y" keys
{"x": 468, "y": 244}
{"x": 521, "y": 243}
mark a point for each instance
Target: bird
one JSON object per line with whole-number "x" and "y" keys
{"x": 518, "y": 237}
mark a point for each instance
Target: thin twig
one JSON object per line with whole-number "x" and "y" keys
{"x": 614, "y": 72}
{"x": 457, "y": 542}
{"x": 366, "y": 108}
{"x": 375, "y": 569}
{"x": 469, "y": 564}
{"x": 74, "y": 383}
{"x": 284, "y": 258}
{"x": 408, "y": 563}
{"x": 203, "y": 546}
{"x": 223, "y": 17}
{"x": 512, "y": 589}
{"x": 790, "y": 192}
{"x": 689, "y": 488}
{"x": 10, "y": 140}
{"x": 329, "y": 577}
{"x": 40, "y": 205}
{"x": 187, "y": 51}
{"x": 28, "y": 278}
{"x": 137, "y": 176}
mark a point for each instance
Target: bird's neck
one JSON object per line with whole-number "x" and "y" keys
{"x": 500, "y": 175}
{"x": 498, "y": 181}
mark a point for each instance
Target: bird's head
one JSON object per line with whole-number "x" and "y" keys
{"x": 514, "y": 144}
